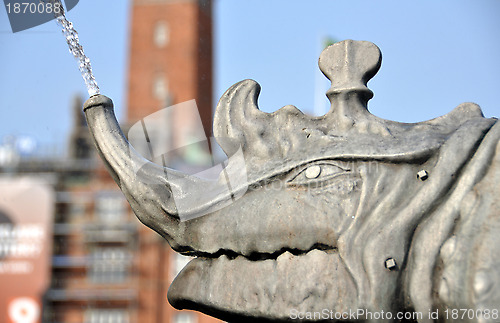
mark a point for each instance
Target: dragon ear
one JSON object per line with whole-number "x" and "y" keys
{"x": 238, "y": 120}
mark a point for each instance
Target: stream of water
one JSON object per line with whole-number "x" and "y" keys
{"x": 76, "y": 49}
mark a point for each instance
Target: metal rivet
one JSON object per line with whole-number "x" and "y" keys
{"x": 390, "y": 263}
{"x": 422, "y": 175}
{"x": 313, "y": 171}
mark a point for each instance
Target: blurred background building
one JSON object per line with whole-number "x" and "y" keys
{"x": 106, "y": 267}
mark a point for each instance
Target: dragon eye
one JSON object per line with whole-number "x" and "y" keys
{"x": 317, "y": 173}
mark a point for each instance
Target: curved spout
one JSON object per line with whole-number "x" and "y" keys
{"x": 160, "y": 197}
{"x": 147, "y": 186}
{"x": 108, "y": 138}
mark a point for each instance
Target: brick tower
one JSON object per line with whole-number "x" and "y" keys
{"x": 170, "y": 63}
{"x": 170, "y": 58}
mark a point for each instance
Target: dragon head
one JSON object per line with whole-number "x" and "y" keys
{"x": 334, "y": 212}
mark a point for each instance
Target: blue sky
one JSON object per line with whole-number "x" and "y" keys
{"x": 436, "y": 55}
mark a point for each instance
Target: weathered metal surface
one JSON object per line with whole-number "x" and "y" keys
{"x": 339, "y": 213}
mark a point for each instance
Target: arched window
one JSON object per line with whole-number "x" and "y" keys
{"x": 161, "y": 34}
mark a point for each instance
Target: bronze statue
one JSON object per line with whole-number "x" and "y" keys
{"x": 339, "y": 214}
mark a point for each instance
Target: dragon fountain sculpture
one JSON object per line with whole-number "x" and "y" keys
{"x": 345, "y": 212}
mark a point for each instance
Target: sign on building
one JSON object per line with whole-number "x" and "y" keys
{"x": 26, "y": 209}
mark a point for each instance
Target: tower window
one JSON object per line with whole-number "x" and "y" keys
{"x": 161, "y": 34}
{"x": 160, "y": 88}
